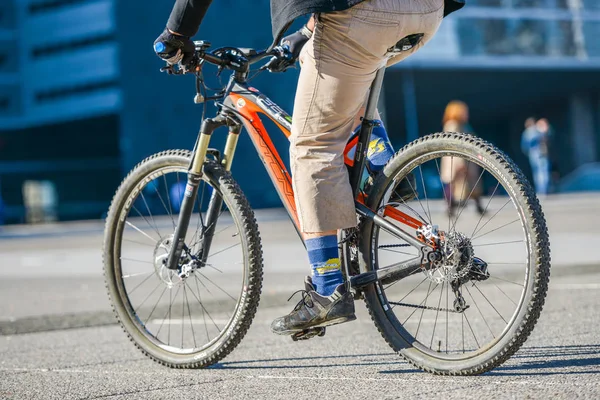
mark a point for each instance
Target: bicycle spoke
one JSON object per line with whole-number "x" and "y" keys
{"x": 485, "y": 209}
{"x": 135, "y": 260}
{"x": 447, "y": 315}
{"x": 151, "y": 293}
{"x": 407, "y": 206}
{"x": 506, "y": 263}
{"x": 406, "y": 295}
{"x": 207, "y": 313}
{"x": 494, "y": 230}
{"x": 138, "y": 274}
{"x": 462, "y": 328}
{"x": 213, "y": 267}
{"x": 150, "y": 213}
{"x": 421, "y": 318}
{"x": 425, "y": 192}
{"x": 469, "y": 196}
{"x": 436, "y": 314}
{"x": 473, "y": 333}
{"x": 415, "y": 192}
{"x": 498, "y": 243}
{"x": 218, "y": 287}
{"x": 214, "y": 234}
{"x": 190, "y": 315}
{"x": 140, "y": 243}
{"x": 216, "y": 219}
{"x": 182, "y": 317}
{"x": 441, "y": 183}
{"x": 141, "y": 283}
{"x": 476, "y": 287}
{"x": 142, "y": 232}
{"x": 428, "y": 293}
{"x": 480, "y": 313}
{"x": 491, "y": 218}
{"x": 164, "y": 205}
{"x": 501, "y": 279}
{"x": 511, "y": 300}
{"x": 203, "y": 314}
{"x": 169, "y": 200}
{"x": 225, "y": 249}
{"x": 169, "y": 314}
{"x": 154, "y": 308}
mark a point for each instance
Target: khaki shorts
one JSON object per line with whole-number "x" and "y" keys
{"x": 339, "y": 64}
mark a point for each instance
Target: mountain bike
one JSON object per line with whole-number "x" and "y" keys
{"x": 452, "y": 292}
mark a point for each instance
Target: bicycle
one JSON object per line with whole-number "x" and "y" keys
{"x": 395, "y": 260}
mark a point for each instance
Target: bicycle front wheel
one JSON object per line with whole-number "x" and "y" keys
{"x": 195, "y": 319}
{"x": 470, "y": 310}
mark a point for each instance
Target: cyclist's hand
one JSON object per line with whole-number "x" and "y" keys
{"x": 174, "y": 48}
{"x": 296, "y": 41}
{"x": 294, "y": 44}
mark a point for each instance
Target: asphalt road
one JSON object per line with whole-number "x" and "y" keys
{"x": 58, "y": 337}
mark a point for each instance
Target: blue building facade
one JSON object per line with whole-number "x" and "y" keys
{"x": 82, "y": 100}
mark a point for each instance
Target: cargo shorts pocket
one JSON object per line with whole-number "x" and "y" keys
{"x": 374, "y": 31}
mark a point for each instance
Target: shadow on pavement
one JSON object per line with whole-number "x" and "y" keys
{"x": 557, "y": 358}
{"x": 355, "y": 360}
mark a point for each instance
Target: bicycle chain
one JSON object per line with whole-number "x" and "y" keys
{"x": 422, "y": 307}
{"x": 390, "y": 246}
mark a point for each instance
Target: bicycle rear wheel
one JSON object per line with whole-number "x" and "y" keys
{"x": 472, "y": 310}
{"x": 183, "y": 322}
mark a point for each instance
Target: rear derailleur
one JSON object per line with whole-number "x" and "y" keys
{"x": 477, "y": 272}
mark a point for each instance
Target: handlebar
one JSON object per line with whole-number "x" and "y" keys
{"x": 236, "y": 59}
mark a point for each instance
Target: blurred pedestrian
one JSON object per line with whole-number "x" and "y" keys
{"x": 534, "y": 143}
{"x": 461, "y": 179}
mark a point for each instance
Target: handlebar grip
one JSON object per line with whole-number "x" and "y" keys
{"x": 168, "y": 53}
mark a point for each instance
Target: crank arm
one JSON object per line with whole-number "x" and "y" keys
{"x": 388, "y": 274}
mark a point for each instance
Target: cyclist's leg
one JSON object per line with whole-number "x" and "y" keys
{"x": 339, "y": 65}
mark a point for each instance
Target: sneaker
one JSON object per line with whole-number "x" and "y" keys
{"x": 314, "y": 310}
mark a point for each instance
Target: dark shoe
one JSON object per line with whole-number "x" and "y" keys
{"x": 314, "y": 310}
{"x": 405, "y": 191}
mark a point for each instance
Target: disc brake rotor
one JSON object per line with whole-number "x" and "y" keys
{"x": 457, "y": 259}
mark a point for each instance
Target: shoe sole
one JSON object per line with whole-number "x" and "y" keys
{"x": 324, "y": 324}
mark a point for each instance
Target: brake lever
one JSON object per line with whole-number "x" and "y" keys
{"x": 181, "y": 69}
{"x": 284, "y": 56}
{"x": 171, "y": 70}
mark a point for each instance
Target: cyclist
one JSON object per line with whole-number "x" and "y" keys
{"x": 340, "y": 49}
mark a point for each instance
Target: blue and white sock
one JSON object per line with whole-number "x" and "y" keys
{"x": 325, "y": 263}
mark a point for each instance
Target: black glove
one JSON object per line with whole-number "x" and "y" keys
{"x": 174, "y": 48}
{"x": 294, "y": 42}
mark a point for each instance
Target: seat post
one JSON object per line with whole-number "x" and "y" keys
{"x": 366, "y": 128}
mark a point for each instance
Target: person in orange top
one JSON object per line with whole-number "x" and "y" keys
{"x": 460, "y": 177}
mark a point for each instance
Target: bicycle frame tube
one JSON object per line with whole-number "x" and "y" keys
{"x": 249, "y": 103}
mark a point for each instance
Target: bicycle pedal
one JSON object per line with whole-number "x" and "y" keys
{"x": 308, "y": 334}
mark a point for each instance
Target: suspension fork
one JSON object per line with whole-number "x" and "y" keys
{"x": 193, "y": 182}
